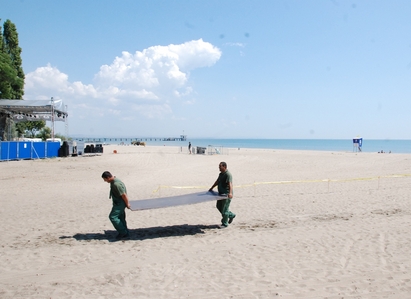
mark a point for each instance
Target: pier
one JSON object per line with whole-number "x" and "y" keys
{"x": 127, "y": 140}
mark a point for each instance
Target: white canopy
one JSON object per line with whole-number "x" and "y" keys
{"x": 22, "y": 110}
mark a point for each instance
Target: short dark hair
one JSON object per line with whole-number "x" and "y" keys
{"x": 106, "y": 175}
{"x": 223, "y": 164}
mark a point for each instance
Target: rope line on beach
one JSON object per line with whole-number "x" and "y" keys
{"x": 332, "y": 180}
{"x": 290, "y": 182}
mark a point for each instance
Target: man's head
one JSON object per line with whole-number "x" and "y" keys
{"x": 222, "y": 166}
{"x": 107, "y": 176}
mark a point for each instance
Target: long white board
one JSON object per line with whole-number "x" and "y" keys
{"x": 178, "y": 200}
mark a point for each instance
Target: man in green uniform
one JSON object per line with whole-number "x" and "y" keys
{"x": 118, "y": 193}
{"x": 225, "y": 186}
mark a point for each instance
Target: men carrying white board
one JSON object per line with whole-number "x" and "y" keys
{"x": 118, "y": 193}
{"x": 225, "y": 186}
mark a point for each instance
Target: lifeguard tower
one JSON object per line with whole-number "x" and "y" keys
{"x": 357, "y": 144}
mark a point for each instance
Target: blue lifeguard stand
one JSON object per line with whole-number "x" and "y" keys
{"x": 357, "y": 144}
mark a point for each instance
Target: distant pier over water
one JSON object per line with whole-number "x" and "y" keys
{"x": 127, "y": 140}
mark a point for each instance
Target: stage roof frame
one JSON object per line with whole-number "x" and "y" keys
{"x": 25, "y": 110}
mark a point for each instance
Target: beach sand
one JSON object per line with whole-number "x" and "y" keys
{"x": 309, "y": 225}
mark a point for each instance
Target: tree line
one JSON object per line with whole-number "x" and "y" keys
{"x": 12, "y": 86}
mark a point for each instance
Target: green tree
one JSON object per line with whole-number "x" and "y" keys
{"x": 30, "y": 128}
{"x": 11, "y": 71}
{"x": 7, "y": 75}
{"x": 44, "y": 133}
{"x": 12, "y": 48}
{"x": 57, "y": 135}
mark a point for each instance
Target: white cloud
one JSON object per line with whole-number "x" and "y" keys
{"x": 153, "y": 111}
{"x": 144, "y": 83}
{"x": 48, "y": 81}
{"x": 184, "y": 92}
{"x": 159, "y": 69}
{"x": 241, "y": 45}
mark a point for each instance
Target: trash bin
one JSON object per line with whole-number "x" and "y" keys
{"x": 201, "y": 150}
{"x": 99, "y": 148}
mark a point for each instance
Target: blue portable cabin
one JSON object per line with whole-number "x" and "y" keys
{"x": 27, "y": 150}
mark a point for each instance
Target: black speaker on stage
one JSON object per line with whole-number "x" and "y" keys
{"x": 65, "y": 149}
{"x": 99, "y": 148}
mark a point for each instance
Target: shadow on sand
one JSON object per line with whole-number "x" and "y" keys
{"x": 141, "y": 234}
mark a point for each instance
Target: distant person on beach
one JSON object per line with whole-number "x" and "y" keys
{"x": 225, "y": 186}
{"x": 118, "y": 193}
{"x": 189, "y": 147}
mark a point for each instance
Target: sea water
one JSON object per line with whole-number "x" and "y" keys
{"x": 344, "y": 145}
{"x": 393, "y": 146}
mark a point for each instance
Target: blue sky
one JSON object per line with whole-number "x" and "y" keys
{"x": 220, "y": 69}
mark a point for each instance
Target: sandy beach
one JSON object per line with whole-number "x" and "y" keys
{"x": 309, "y": 225}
